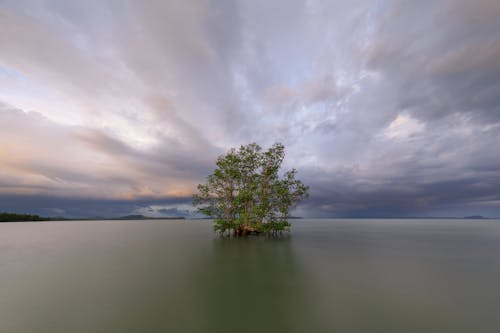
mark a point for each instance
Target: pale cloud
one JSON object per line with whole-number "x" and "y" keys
{"x": 39, "y": 156}
{"x": 403, "y": 127}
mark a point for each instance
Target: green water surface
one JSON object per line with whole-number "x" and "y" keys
{"x": 177, "y": 276}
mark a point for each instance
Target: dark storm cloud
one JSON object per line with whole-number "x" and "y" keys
{"x": 385, "y": 107}
{"x": 74, "y": 207}
{"x": 454, "y": 198}
{"x": 442, "y": 59}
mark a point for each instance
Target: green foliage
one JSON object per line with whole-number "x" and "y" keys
{"x": 11, "y": 217}
{"x": 245, "y": 193}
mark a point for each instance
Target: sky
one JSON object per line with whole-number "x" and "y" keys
{"x": 386, "y": 108}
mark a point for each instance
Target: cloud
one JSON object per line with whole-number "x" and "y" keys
{"x": 392, "y": 104}
{"x": 74, "y": 207}
{"x": 41, "y": 157}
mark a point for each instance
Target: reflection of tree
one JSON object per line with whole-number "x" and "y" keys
{"x": 251, "y": 285}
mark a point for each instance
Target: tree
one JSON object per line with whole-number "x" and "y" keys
{"x": 245, "y": 193}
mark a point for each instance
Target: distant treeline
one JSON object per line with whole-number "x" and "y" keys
{"x": 11, "y": 217}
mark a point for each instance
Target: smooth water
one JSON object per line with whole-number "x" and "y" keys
{"x": 176, "y": 276}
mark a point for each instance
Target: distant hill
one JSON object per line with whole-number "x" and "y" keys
{"x": 475, "y": 217}
{"x": 132, "y": 217}
{"x": 142, "y": 217}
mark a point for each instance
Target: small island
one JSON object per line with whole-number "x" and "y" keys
{"x": 246, "y": 195}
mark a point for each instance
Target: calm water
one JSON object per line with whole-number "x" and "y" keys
{"x": 175, "y": 276}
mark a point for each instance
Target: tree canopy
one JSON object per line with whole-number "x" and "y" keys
{"x": 246, "y": 194}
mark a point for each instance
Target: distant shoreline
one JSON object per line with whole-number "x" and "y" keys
{"x": 12, "y": 217}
